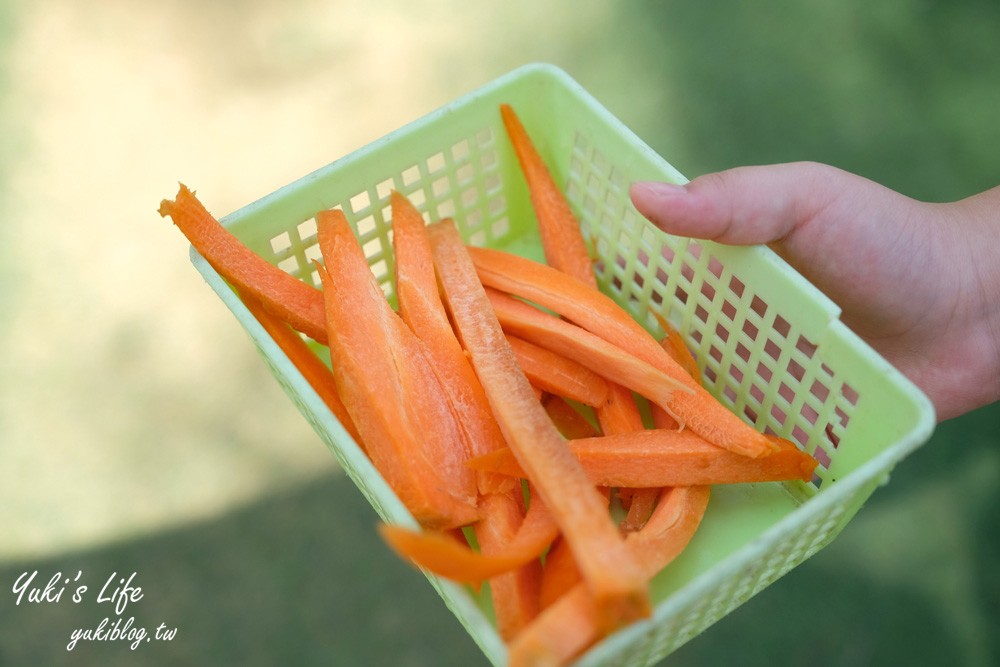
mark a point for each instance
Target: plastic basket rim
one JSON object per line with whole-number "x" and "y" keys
{"x": 871, "y": 469}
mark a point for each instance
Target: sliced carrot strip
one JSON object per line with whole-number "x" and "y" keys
{"x": 641, "y": 504}
{"x": 674, "y": 521}
{"x": 421, "y": 308}
{"x": 315, "y": 372}
{"x": 571, "y": 624}
{"x": 567, "y": 419}
{"x": 559, "y": 229}
{"x": 387, "y": 385}
{"x": 599, "y": 314}
{"x": 282, "y": 294}
{"x": 619, "y": 413}
{"x": 559, "y": 375}
{"x": 642, "y": 501}
{"x": 441, "y": 554}
{"x": 515, "y": 594}
{"x": 674, "y": 345}
{"x": 566, "y": 250}
{"x": 437, "y": 552}
{"x": 580, "y": 511}
{"x": 614, "y": 363}
{"x": 559, "y": 575}
{"x": 657, "y": 457}
{"x": 662, "y": 418}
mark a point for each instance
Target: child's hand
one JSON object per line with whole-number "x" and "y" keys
{"x": 919, "y": 282}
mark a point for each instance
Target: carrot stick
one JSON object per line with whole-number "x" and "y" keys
{"x": 559, "y": 575}
{"x": 282, "y": 294}
{"x": 441, "y": 554}
{"x": 559, "y": 375}
{"x": 656, "y": 458}
{"x": 571, "y": 624}
{"x": 437, "y": 552}
{"x": 674, "y": 345}
{"x": 580, "y": 511}
{"x": 315, "y": 372}
{"x": 515, "y": 594}
{"x": 421, "y": 308}
{"x": 566, "y": 250}
{"x": 387, "y": 385}
{"x": 620, "y": 415}
{"x": 642, "y": 501}
{"x": 614, "y": 363}
{"x": 567, "y": 419}
{"x": 562, "y": 240}
{"x": 641, "y": 504}
{"x": 662, "y": 418}
{"x": 599, "y": 314}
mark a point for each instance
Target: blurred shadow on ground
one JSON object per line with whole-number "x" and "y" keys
{"x": 896, "y": 92}
{"x": 303, "y": 579}
{"x": 299, "y": 579}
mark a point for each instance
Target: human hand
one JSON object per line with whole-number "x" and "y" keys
{"x": 919, "y": 282}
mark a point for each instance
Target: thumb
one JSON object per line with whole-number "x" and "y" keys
{"x": 745, "y": 205}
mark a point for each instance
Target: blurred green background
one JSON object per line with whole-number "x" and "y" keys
{"x": 140, "y": 432}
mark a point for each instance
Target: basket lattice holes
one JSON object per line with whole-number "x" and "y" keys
{"x": 462, "y": 183}
{"x": 757, "y": 363}
{"x": 750, "y": 356}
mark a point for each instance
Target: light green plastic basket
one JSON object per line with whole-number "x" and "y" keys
{"x": 770, "y": 345}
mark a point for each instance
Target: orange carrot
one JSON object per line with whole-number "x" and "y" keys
{"x": 571, "y": 624}
{"x": 421, "y": 308}
{"x": 614, "y": 363}
{"x": 443, "y": 555}
{"x": 619, "y": 414}
{"x": 387, "y": 385}
{"x": 641, "y": 504}
{"x": 562, "y": 241}
{"x": 642, "y": 501}
{"x": 566, "y": 250}
{"x": 674, "y": 345}
{"x": 663, "y": 419}
{"x": 559, "y": 375}
{"x": 656, "y": 458}
{"x": 559, "y": 575}
{"x": 580, "y": 511}
{"x": 514, "y": 594}
{"x": 599, "y": 314}
{"x": 567, "y": 419}
{"x": 439, "y": 553}
{"x": 283, "y": 295}
{"x": 315, "y": 372}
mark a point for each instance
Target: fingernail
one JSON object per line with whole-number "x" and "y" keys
{"x": 658, "y": 189}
